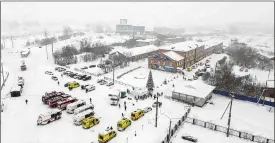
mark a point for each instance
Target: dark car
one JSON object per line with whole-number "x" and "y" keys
{"x": 72, "y": 74}
{"x": 84, "y": 68}
{"x": 87, "y": 78}
{"x": 54, "y": 78}
{"x": 82, "y": 77}
{"x": 92, "y": 66}
{"x": 189, "y": 138}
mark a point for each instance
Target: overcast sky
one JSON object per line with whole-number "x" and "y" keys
{"x": 178, "y": 14}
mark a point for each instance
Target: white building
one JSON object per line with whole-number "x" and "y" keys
{"x": 193, "y": 92}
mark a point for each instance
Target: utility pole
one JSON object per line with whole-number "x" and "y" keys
{"x": 114, "y": 70}
{"x": 52, "y": 48}
{"x": 156, "y": 122}
{"x": 2, "y": 72}
{"x": 229, "y": 118}
{"x": 47, "y": 51}
{"x": 170, "y": 129}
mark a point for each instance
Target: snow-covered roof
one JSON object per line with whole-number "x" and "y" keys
{"x": 182, "y": 46}
{"x": 194, "y": 88}
{"x": 211, "y": 43}
{"x": 270, "y": 83}
{"x": 142, "y": 50}
{"x": 147, "y": 40}
{"x": 173, "y": 55}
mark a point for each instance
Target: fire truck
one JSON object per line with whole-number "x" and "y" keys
{"x": 53, "y": 101}
{"x": 50, "y": 95}
{"x": 63, "y": 104}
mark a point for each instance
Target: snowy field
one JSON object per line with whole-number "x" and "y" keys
{"x": 246, "y": 116}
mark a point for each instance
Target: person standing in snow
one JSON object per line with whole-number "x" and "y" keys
{"x": 118, "y": 105}
{"x": 90, "y": 100}
{"x": 122, "y": 114}
{"x": 125, "y": 107}
{"x": 26, "y": 101}
{"x": 58, "y": 83}
{"x": 62, "y": 75}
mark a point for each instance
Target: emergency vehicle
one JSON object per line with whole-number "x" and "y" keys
{"x": 48, "y": 117}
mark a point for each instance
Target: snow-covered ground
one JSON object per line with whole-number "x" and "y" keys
{"x": 20, "y": 119}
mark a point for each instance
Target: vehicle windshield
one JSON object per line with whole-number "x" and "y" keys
{"x": 133, "y": 114}
{"x": 100, "y": 137}
{"x": 119, "y": 125}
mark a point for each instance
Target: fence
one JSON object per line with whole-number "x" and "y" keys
{"x": 176, "y": 127}
{"x": 244, "y": 98}
{"x": 233, "y": 132}
{"x": 128, "y": 72}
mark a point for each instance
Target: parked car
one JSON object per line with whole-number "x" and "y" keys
{"x": 90, "y": 88}
{"x": 241, "y": 69}
{"x": 48, "y": 72}
{"x": 87, "y": 78}
{"x": 195, "y": 77}
{"x": 81, "y": 77}
{"x": 84, "y": 86}
{"x": 60, "y": 69}
{"x": 99, "y": 80}
{"x": 84, "y": 68}
{"x": 246, "y": 70}
{"x": 189, "y": 138}
{"x": 103, "y": 82}
{"x": 147, "y": 109}
{"x": 92, "y": 66}
{"x": 155, "y": 104}
{"x": 207, "y": 61}
{"x": 193, "y": 67}
{"x": 110, "y": 84}
{"x": 54, "y": 78}
{"x": 207, "y": 65}
{"x": 48, "y": 117}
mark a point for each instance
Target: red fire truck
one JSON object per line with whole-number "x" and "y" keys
{"x": 53, "y": 101}
{"x": 50, "y": 95}
{"x": 63, "y": 104}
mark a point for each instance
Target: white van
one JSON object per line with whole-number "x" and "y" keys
{"x": 79, "y": 117}
{"x": 48, "y": 117}
{"x": 83, "y": 108}
{"x": 71, "y": 107}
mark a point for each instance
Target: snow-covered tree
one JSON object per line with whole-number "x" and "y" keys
{"x": 150, "y": 83}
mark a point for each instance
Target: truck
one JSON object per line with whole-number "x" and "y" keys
{"x": 137, "y": 114}
{"x": 63, "y": 104}
{"x": 83, "y": 108}
{"x": 80, "y": 116}
{"x": 123, "y": 123}
{"x": 89, "y": 122}
{"x": 48, "y": 117}
{"x": 71, "y": 107}
{"x": 106, "y": 136}
{"x": 50, "y": 95}
{"x": 53, "y": 101}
